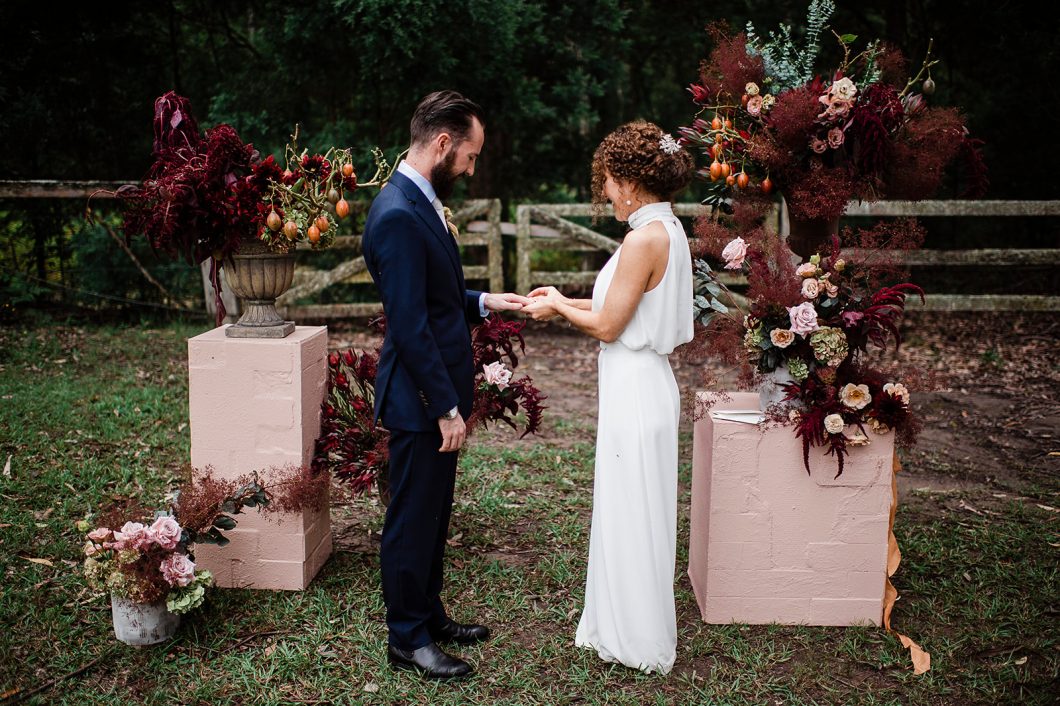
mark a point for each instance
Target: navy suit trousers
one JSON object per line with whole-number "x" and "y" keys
{"x": 414, "y": 535}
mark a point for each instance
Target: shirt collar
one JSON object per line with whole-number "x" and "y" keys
{"x": 419, "y": 180}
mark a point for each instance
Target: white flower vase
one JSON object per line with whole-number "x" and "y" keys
{"x": 142, "y": 624}
{"x": 771, "y": 392}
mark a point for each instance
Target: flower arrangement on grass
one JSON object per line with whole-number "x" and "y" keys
{"x": 147, "y": 561}
{"x": 353, "y": 448}
{"x": 150, "y": 556}
{"x": 767, "y": 120}
{"x": 818, "y": 320}
{"x": 206, "y": 193}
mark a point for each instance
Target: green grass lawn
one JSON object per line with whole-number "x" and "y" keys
{"x": 93, "y": 415}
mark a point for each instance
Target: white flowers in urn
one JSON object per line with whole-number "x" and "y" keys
{"x": 897, "y": 390}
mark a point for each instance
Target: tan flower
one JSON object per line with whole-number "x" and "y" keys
{"x": 855, "y": 396}
{"x": 767, "y": 101}
{"x": 843, "y": 89}
{"x": 751, "y": 89}
{"x": 878, "y": 426}
{"x": 858, "y": 439}
{"x": 782, "y": 337}
{"x": 897, "y": 390}
{"x": 806, "y": 269}
{"x": 834, "y": 424}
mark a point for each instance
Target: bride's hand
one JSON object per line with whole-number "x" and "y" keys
{"x": 547, "y": 293}
{"x": 541, "y": 310}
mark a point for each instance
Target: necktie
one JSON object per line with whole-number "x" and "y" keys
{"x": 440, "y": 210}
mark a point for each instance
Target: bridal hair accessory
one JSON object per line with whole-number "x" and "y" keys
{"x": 669, "y": 145}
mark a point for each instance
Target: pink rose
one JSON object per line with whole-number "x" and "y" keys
{"x": 811, "y": 288}
{"x": 178, "y": 570}
{"x": 835, "y": 138}
{"x": 803, "y": 318}
{"x": 806, "y": 269}
{"x": 851, "y": 318}
{"x": 818, "y": 145}
{"x": 831, "y": 289}
{"x": 734, "y": 253}
{"x": 99, "y": 535}
{"x": 166, "y": 532}
{"x": 497, "y": 374}
{"x": 754, "y": 105}
{"x": 132, "y": 535}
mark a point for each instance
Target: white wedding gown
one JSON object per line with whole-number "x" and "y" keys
{"x": 629, "y": 614}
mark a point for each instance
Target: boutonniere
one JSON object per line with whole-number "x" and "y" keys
{"x": 448, "y": 213}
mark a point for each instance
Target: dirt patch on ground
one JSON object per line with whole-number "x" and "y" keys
{"x": 993, "y": 425}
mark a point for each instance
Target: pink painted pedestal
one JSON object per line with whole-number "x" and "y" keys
{"x": 255, "y": 404}
{"x": 771, "y": 544}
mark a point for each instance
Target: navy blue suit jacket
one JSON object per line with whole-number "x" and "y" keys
{"x": 425, "y": 366}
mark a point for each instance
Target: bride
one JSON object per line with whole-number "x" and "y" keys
{"x": 640, "y": 311}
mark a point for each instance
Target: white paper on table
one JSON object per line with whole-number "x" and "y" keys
{"x": 743, "y": 416}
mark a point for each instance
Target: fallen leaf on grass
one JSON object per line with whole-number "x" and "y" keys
{"x": 7, "y": 467}
{"x": 269, "y": 649}
{"x": 1021, "y": 660}
{"x": 1047, "y": 507}
{"x": 46, "y": 562}
{"x": 967, "y": 576}
{"x": 371, "y": 687}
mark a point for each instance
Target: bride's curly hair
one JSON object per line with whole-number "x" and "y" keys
{"x": 634, "y": 153}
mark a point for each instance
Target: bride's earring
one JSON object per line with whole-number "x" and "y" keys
{"x": 628, "y": 202}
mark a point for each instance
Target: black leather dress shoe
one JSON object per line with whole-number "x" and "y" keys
{"x": 460, "y": 633}
{"x": 429, "y": 661}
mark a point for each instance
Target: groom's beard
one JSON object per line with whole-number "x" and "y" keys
{"x": 442, "y": 177}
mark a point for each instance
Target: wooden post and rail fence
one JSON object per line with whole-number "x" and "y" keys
{"x": 547, "y": 227}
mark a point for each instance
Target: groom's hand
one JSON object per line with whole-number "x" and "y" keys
{"x": 505, "y": 302}
{"x": 453, "y": 433}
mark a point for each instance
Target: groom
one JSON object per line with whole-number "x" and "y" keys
{"x": 424, "y": 385}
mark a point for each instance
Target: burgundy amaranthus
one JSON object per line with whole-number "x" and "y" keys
{"x": 200, "y": 196}
{"x": 354, "y": 449}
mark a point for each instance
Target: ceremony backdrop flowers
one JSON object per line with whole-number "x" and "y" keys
{"x": 767, "y": 119}
{"x": 817, "y": 319}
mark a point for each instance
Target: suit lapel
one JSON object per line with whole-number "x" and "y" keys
{"x": 430, "y": 218}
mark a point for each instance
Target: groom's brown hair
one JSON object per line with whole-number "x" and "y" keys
{"x": 444, "y": 111}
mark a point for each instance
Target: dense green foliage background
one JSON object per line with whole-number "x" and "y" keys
{"x": 76, "y": 88}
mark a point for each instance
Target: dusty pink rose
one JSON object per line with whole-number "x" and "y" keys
{"x": 898, "y": 390}
{"x": 132, "y": 535}
{"x": 803, "y": 318}
{"x": 811, "y": 288}
{"x": 850, "y": 318}
{"x": 855, "y": 396}
{"x": 166, "y": 532}
{"x": 818, "y": 145}
{"x": 101, "y": 534}
{"x": 734, "y": 253}
{"x": 497, "y": 374}
{"x": 831, "y": 290}
{"x": 835, "y": 138}
{"x": 178, "y": 570}
{"x": 754, "y": 105}
{"x": 781, "y": 337}
{"x": 92, "y": 548}
{"x": 806, "y": 269}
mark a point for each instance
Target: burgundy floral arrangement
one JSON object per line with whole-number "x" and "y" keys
{"x": 768, "y": 121}
{"x": 353, "y": 448}
{"x": 810, "y": 327}
{"x": 205, "y": 193}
